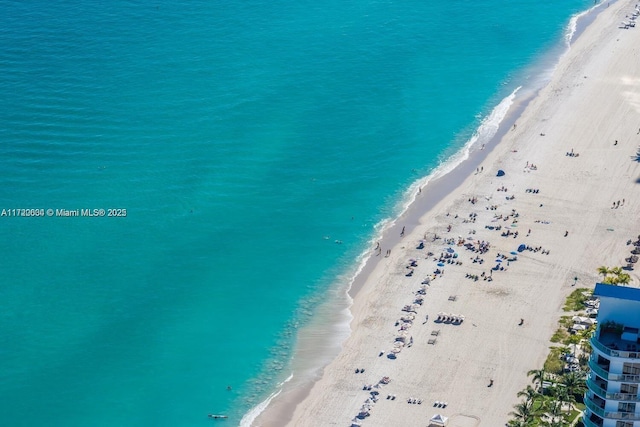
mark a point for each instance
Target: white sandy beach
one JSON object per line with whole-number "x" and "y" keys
{"x": 592, "y": 101}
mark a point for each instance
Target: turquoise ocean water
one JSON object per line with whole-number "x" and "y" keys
{"x": 243, "y": 139}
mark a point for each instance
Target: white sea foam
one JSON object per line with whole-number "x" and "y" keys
{"x": 485, "y": 132}
{"x": 572, "y": 27}
{"x": 253, "y": 413}
{"x": 340, "y": 330}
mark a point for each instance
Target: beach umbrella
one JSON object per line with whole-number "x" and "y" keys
{"x": 440, "y": 264}
{"x": 498, "y": 260}
{"x": 522, "y": 247}
{"x": 513, "y": 253}
{"x": 450, "y": 250}
{"x": 500, "y": 173}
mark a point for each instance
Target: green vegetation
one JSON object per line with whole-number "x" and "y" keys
{"x": 575, "y": 301}
{"x": 562, "y": 334}
{"x": 556, "y": 403}
{"x": 554, "y": 363}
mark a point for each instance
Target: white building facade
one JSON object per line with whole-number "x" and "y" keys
{"x": 612, "y": 398}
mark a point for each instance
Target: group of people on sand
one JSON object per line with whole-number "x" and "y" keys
{"x": 478, "y": 246}
{"x": 379, "y": 250}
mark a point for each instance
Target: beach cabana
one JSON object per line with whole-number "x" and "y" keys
{"x": 584, "y": 320}
{"x": 578, "y": 327}
{"x": 438, "y": 420}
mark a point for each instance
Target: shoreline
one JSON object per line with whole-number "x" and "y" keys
{"x": 437, "y": 191}
{"x": 288, "y": 392}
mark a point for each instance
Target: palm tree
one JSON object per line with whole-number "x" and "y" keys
{"x": 604, "y": 271}
{"x": 529, "y": 393}
{"x": 574, "y": 384}
{"x": 616, "y": 270}
{"x": 562, "y": 396}
{"x": 537, "y": 377}
{"x": 520, "y": 423}
{"x": 555, "y": 410}
{"x": 523, "y": 411}
{"x": 624, "y": 279}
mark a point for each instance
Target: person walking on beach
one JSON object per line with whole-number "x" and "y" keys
{"x": 402, "y": 232}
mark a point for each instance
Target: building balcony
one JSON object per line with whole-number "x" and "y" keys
{"x": 596, "y": 389}
{"x": 593, "y": 407}
{"x": 602, "y": 372}
{"x": 598, "y": 369}
{"x": 588, "y": 423}
{"x": 614, "y": 346}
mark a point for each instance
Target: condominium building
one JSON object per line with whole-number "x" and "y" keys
{"x": 612, "y": 398}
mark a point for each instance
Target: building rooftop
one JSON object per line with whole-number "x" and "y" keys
{"x": 619, "y": 292}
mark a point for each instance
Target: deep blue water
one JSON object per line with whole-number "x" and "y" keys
{"x": 237, "y": 135}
